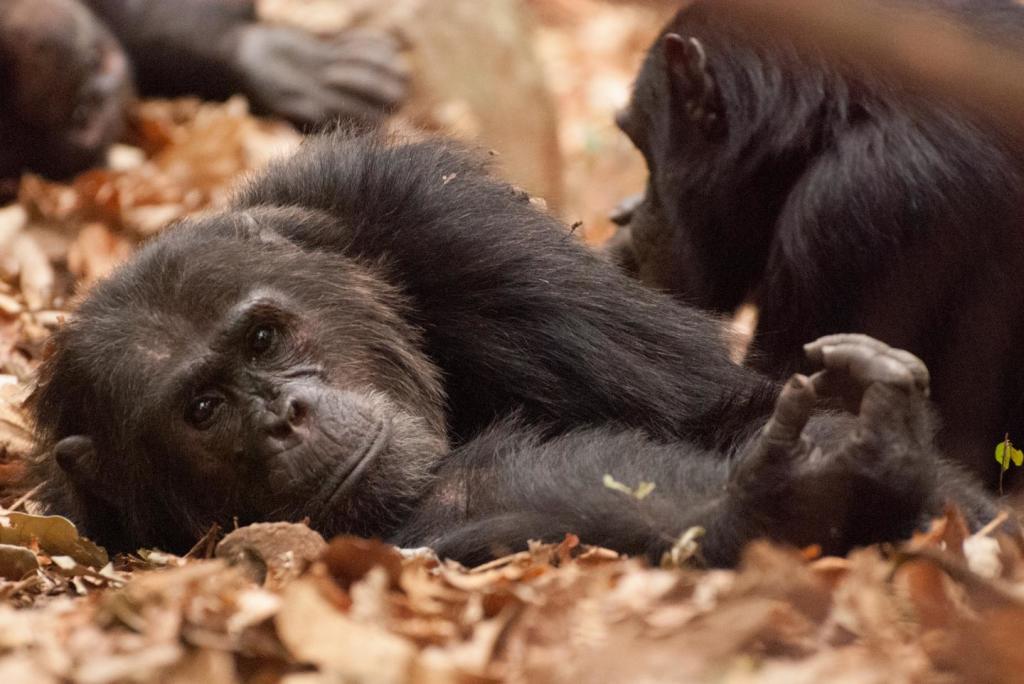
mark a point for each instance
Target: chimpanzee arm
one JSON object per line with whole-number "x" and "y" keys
{"x": 837, "y": 481}
{"x": 216, "y": 48}
{"x": 510, "y": 485}
{"x": 181, "y": 46}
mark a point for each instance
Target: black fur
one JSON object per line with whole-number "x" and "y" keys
{"x": 837, "y": 200}
{"x": 436, "y": 307}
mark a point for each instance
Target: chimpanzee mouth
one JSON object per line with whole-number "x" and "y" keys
{"x": 340, "y": 483}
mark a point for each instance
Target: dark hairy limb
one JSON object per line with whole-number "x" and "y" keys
{"x": 215, "y": 48}
{"x": 804, "y": 479}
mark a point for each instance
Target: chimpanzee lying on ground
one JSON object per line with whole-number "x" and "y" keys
{"x": 65, "y": 75}
{"x": 386, "y": 340}
{"x": 837, "y": 202}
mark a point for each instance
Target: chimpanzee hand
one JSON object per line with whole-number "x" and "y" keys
{"x": 836, "y": 483}
{"x": 357, "y": 75}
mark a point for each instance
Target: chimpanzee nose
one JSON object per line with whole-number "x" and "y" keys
{"x": 296, "y": 411}
{"x": 286, "y": 414}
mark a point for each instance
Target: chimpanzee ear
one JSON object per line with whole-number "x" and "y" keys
{"x": 77, "y": 457}
{"x": 687, "y": 62}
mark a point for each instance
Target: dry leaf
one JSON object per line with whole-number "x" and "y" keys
{"x": 95, "y": 252}
{"x": 55, "y": 535}
{"x": 35, "y": 274}
{"x": 348, "y": 559}
{"x": 283, "y": 549}
{"x": 16, "y": 561}
{"x": 315, "y": 632}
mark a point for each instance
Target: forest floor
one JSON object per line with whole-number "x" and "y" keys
{"x": 276, "y": 602}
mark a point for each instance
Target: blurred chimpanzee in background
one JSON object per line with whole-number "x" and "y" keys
{"x": 835, "y": 199}
{"x": 69, "y": 67}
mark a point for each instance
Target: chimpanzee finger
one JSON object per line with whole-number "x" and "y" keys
{"x": 324, "y": 106}
{"x": 850, "y": 365}
{"x": 814, "y": 349}
{"x": 792, "y": 411}
{"x": 369, "y": 85}
{"x": 378, "y": 49}
{"x": 368, "y": 36}
{"x": 917, "y": 368}
{"x": 772, "y": 456}
{"x": 866, "y": 364}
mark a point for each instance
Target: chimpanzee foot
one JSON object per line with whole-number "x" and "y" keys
{"x": 839, "y": 483}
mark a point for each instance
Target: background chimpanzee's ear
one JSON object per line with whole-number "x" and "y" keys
{"x": 691, "y": 76}
{"x": 76, "y": 456}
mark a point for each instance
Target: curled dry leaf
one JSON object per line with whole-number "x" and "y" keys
{"x": 348, "y": 559}
{"x": 141, "y": 665}
{"x": 188, "y": 155}
{"x": 9, "y": 306}
{"x": 315, "y": 632}
{"x": 55, "y": 535}
{"x": 983, "y": 556}
{"x": 15, "y": 435}
{"x": 12, "y": 221}
{"x": 207, "y": 666}
{"x": 95, "y": 252}
{"x": 24, "y": 669}
{"x": 283, "y": 550}
{"x": 16, "y": 561}
{"x": 35, "y": 274}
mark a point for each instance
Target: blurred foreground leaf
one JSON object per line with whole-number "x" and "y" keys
{"x": 55, "y": 535}
{"x": 16, "y": 561}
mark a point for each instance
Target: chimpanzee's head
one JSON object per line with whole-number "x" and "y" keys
{"x": 727, "y": 121}
{"x": 227, "y": 373}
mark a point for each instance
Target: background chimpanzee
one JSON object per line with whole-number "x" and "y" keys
{"x": 67, "y": 69}
{"x": 386, "y": 340}
{"x": 836, "y": 201}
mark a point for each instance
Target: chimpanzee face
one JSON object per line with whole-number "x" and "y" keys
{"x": 244, "y": 378}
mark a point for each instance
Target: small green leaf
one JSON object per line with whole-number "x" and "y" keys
{"x": 1015, "y": 455}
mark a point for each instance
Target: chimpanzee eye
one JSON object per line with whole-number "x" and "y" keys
{"x": 261, "y": 339}
{"x": 201, "y": 410}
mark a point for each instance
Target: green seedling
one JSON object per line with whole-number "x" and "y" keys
{"x": 1006, "y": 454}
